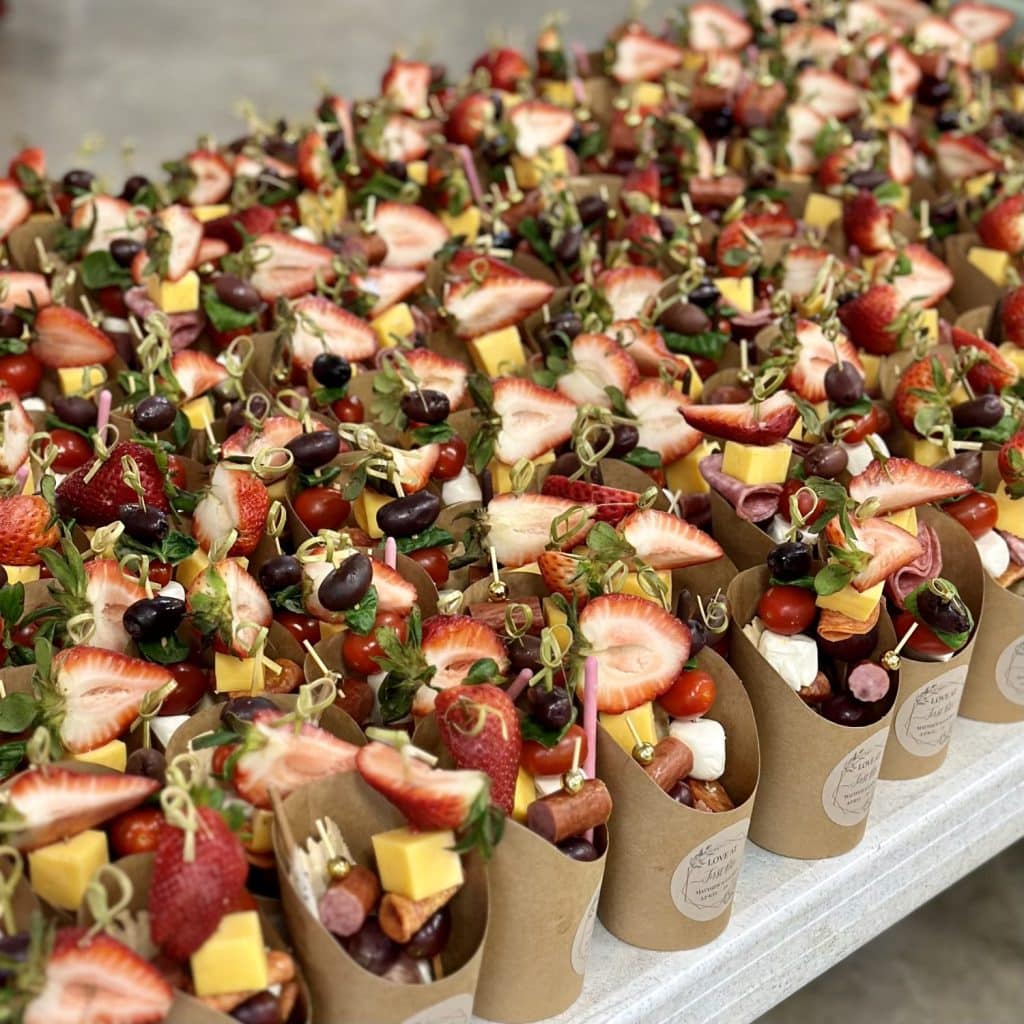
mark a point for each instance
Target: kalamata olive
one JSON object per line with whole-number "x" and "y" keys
{"x": 867, "y": 178}
{"x": 726, "y": 394}
{"x": 825, "y": 460}
{"x": 578, "y": 848}
{"x": 851, "y": 648}
{"x": 789, "y": 561}
{"x": 565, "y": 464}
{"x": 255, "y": 405}
{"x": 154, "y": 413}
{"x": 932, "y": 91}
{"x": 405, "y": 517}
{"x": 700, "y": 636}
{"x": 3, "y": 576}
{"x": 432, "y": 937}
{"x": 684, "y": 318}
{"x": 77, "y": 181}
{"x": 939, "y": 612}
{"x": 681, "y": 793}
{"x": 591, "y": 209}
{"x": 331, "y": 370}
{"x": 236, "y": 293}
{"x": 13, "y": 950}
{"x": 280, "y": 572}
{"x": 567, "y": 248}
{"x": 314, "y": 450}
{"x": 845, "y": 709}
{"x": 371, "y": 948}
{"x": 625, "y": 438}
{"x": 244, "y": 709}
{"x": 343, "y": 588}
{"x": 147, "y": 762}
{"x": 396, "y": 169}
{"x": 965, "y": 464}
{"x": 983, "y": 411}
{"x": 262, "y": 1008}
{"x": 844, "y": 384}
{"x": 153, "y": 617}
{"x": 133, "y": 186}
{"x": 124, "y": 251}
{"x": 149, "y": 525}
{"x": 947, "y": 120}
{"x": 426, "y": 405}
{"x": 524, "y": 652}
{"x": 75, "y": 410}
{"x": 550, "y": 708}
{"x": 11, "y": 326}
{"x": 561, "y": 328}
{"x": 705, "y": 295}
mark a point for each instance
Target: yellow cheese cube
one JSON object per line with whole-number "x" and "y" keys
{"x": 261, "y": 829}
{"x": 930, "y": 322}
{"x": 852, "y": 602}
{"x": 417, "y": 171}
{"x": 498, "y": 353}
{"x": 189, "y": 568}
{"x": 211, "y": 211}
{"x": 180, "y": 296}
{"x": 991, "y": 262}
{"x": 695, "y": 386}
{"x": 631, "y": 585}
{"x": 561, "y": 94}
{"x": 466, "y": 223}
{"x": 642, "y": 719}
{"x": 233, "y": 958}
{"x": 531, "y": 171}
{"x": 22, "y": 573}
{"x": 985, "y": 56}
{"x": 1010, "y": 514}
{"x": 111, "y": 755}
{"x": 416, "y": 864}
{"x": 871, "y": 365}
{"x": 645, "y": 94}
{"x": 234, "y": 674}
{"x": 756, "y": 465}
{"x": 820, "y": 210}
{"x": 891, "y": 115}
{"x": 1014, "y": 354}
{"x": 693, "y": 60}
{"x": 200, "y": 411}
{"x": 81, "y": 380}
{"x": 903, "y": 201}
{"x": 975, "y": 186}
{"x": 323, "y": 213}
{"x": 365, "y": 509}
{"x": 278, "y": 490}
{"x": 525, "y": 794}
{"x": 394, "y": 325}
{"x": 905, "y": 520}
{"x": 737, "y": 292}
{"x": 60, "y": 872}
{"x": 928, "y": 453}
{"x": 558, "y": 623}
{"x": 684, "y": 474}
{"x": 1018, "y": 98}
{"x": 501, "y": 472}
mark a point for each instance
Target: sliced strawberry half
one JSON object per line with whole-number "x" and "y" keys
{"x": 598, "y": 363}
{"x": 436, "y": 372}
{"x": 314, "y": 160}
{"x": 915, "y": 382}
{"x": 540, "y": 126}
{"x": 519, "y": 526}
{"x": 412, "y": 234}
{"x": 901, "y": 158}
{"x": 715, "y": 27}
{"x": 211, "y": 177}
{"x": 867, "y": 223}
{"x": 452, "y": 644}
{"x": 640, "y": 650}
{"x": 803, "y": 123}
{"x": 57, "y": 804}
{"x": 828, "y": 93}
{"x": 937, "y": 37}
{"x": 415, "y": 465}
{"x": 388, "y": 285}
{"x": 899, "y": 484}
{"x": 964, "y": 156}
{"x": 644, "y": 345}
{"x": 196, "y": 372}
{"x": 497, "y": 301}
{"x": 764, "y": 423}
{"x": 1011, "y": 313}
{"x": 563, "y": 574}
{"x": 236, "y": 500}
{"x": 285, "y": 756}
{"x": 109, "y": 593}
{"x": 890, "y": 548}
{"x": 641, "y": 57}
{"x": 658, "y": 408}
{"x": 993, "y": 371}
{"x": 289, "y": 267}
{"x": 65, "y": 338}
{"x": 929, "y": 279}
{"x": 225, "y": 600}
{"x": 16, "y": 430}
{"x": 811, "y": 42}
{"x": 815, "y": 355}
{"x": 401, "y": 139}
{"x": 406, "y": 83}
{"x": 628, "y": 290}
{"x": 186, "y": 235}
{"x": 664, "y": 541}
{"x": 612, "y": 503}
{"x": 321, "y": 326}
{"x": 15, "y": 208}
{"x": 980, "y": 23}
{"x": 274, "y": 432}
{"x": 802, "y": 266}
{"x": 394, "y": 593}
{"x": 1002, "y": 225}
{"x": 22, "y": 289}
{"x": 533, "y": 419}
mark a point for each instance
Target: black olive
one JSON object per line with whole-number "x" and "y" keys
{"x": 75, "y": 410}
{"x": 236, "y": 293}
{"x": 133, "y": 186}
{"x": 149, "y": 525}
{"x": 153, "y": 617}
{"x": 124, "y": 251}
{"x": 154, "y": 414}
{"x": 405, "y": 517}
{"x": 789, "y": 561}
{"x": 332, "y": 371}
{"x": 343, "y": 588}
{"x": 77, "y": 181}
{"x": 705, "y": 295}
{"x": 591, "y": 209}
{"x": 279, "y": 573}
{"x": 426, "y": 406}
{"x": 314, "y": 450}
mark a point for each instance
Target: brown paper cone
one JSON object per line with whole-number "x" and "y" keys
{"x": 21, "y": 242}
{"x": 817, "y": 778}
{"x": 343, "y": 992}
{"x": 971, "y": 287}
{"x": 703, "y": 581}
{"x": 746, "y": 544}
{"x": 929, "y": 692}
{"x": 979, "y": 321}
{"x": 670, "y": 886}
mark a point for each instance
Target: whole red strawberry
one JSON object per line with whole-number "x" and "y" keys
{"x": 98, "y": 500}
{"x": 1011, "y": 462}
{"x": 867, "y": 222}
{"x": 198, "y": 875}
{"x": 1012, "y": 312}
{"x": 1002, "y": 225}
{"x": 480, "y": 728}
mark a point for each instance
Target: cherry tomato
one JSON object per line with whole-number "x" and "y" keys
{"x": 22, "y": 372}
{"x": 349, "y": 409}
{"x": 220, "y": 757}
{"x": 176, "y": 471}
{"x": 787, "y": 610}
{"x": 976, "y": 513}
{"x": 302, "y": 627}
{"x": 135, "y": 831}
{"x": 451, "y": 457}
{"x": 809, "y": 508}
{"x": 360, "y": 653}
{"x": 540, "y": 760}
{"x": 923, "y": 642}
{"x": 435, "y": 561}
{"x": 160, "y": 573}
{"x": 692, "y": 694}
{"x": 657, "y": 475}
{"x": 705, "y": 367}
{"x": 191, "y": 683}
{"x": 853, "y": 429}
{"x": 321, "y": 508}
{"x": 25, "y": 634}
{"x": 112, "y": 301}
{"x": 73, "y": 450}
{"x": 358, "y": 699}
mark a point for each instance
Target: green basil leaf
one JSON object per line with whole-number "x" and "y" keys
{"x": 17, "y": 712}
{"x": 100, "y": 270}
{"x": 432, "y": 537}
{"x": 360, "y": 618}
{"x": 224, "y": 317}
{"x": 166, "y": 651}
{"x": 643, "y": 458}
{"x": 533, "y": 730}
{"x": 831, "y": 579}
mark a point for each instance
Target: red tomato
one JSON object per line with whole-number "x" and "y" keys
{"x": 705, "y": 367}
{"x": 220, "y": 756}
{"x": 924, "y": 641}
{"x": 435, "y": 561}
{"x": 21, "y": 372}
{"x": 191, "y": 683}
{"x": 135, "y": 831}
{"x": 360, "y": 653}
{"x": 176, "y": 471}
{"x": 540, "y": 760}
{"x": 692, "y": 694}
{"x": 302, "y": 627}
{"x": 349, "y": 409}
{"x": 787, "y": 610}
{"x": 25, "y": 635}
{"x": 976, "y": 513}
{"x": 73, "y": 450}
{"x": 853, "y": 429}
{"x": 809, "y": 508}
{"x": 450, "y": 459}
{"x": 160, "y": 573}
{"x": 321, "y": 508}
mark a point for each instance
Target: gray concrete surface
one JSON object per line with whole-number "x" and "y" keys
{"x": 157, "y": 73}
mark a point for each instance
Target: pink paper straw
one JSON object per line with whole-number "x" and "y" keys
{"x": 390, "y": 552}
{"x": 582, "y": 60}
{"x": 21, "y": 476}
{"x": 590, "y": 715}
{"x": 578, "y": 90}
{"x": 471, "y": 176}
{"x": 103, "y": 411}
{"x": 519, "y": 684}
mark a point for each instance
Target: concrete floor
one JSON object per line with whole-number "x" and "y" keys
{"x": 159, "y": 73}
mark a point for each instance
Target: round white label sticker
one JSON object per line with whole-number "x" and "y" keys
{"x": 1010, "y": 671}
{"x": 850, "y": 786}
{"x": 924, "y": 723}
{"x": 453, "y": 1010}
{"x": 702, "y": 886}
{"x": 584, "y": 933}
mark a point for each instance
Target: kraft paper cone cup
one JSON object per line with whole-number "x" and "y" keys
{"x": 186, "y": 1008}
{"x": 669, "y": 885}
{"x": 971, "y": 287}
{"x": 746, "y": 544}
{"x": 342, "y": 991}
{"x": 21, "y": 242}
{"x": 929, "y": 692}
{"x": 543, "y": 907}
{"x": 980, "y": 321}
{"x": 703, "y": 581}
{"x": 817, "y": 778}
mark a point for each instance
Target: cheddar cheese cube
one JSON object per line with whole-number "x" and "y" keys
{"x": 871, "y": 365}
{"x": 1014, "y": 354}
{"x": 905, "y": 520}
{"x": 756, "y": 465}
{"x": 930, "y": 323}
{"x": 466, "y": 223}
{"x": 737, "y": 292}
{"x": 977, "y": 185}
{"x": 645, "y": 94}
{"x": 531, "y": 171}
{"x": 501, "y": 472}
{"x": 498, "y": 353}
{"x": 181, "y": 296}
{"x": 81, "y": 380}
{"x": 684, "y": 474}
{"x": 232, "y": 959}
{"x": 61, "y": 871}
{"x": 189, "y": 568}
{"x": 199, "y": 412}
{"x": 820, "y": 210}
{"x": 261, "y": 831}
{"x": 695, "y": 386}
{"x": 365, "y": 509}
{"x": 561, "y": 94}
{"x": 525, "y": 794}
{"x": 211, "y": 211}
{"x": 891, "y": 115}
{"x": 111, "y": 755}
{"x": 631, "y": 585}
{"x": 323, "y": 213}
{"x": 993, "y": 263}
{"x": 22, "y": 573}
{"x": 985, "y": 56}
{"x": 1017, "y": 94}
{"x": 852, "y": 602}
{"x": 928, "y": 453}
{"x": 233, "y": 674}
{"x": 416, "y": 864}
{"x": 394, "y": 325}
{"x": 557, "y": 621}
{"x": 1010, "y": 512}
{"x": 416, "y": 171}
{"x": 642, "y": 719}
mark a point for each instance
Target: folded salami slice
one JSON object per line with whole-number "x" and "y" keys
{"x": 925, "y": 567}
{"x": 1016, "y": 546}
{"x": 185, "y": 327}
{"x": 754, "y": 503}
